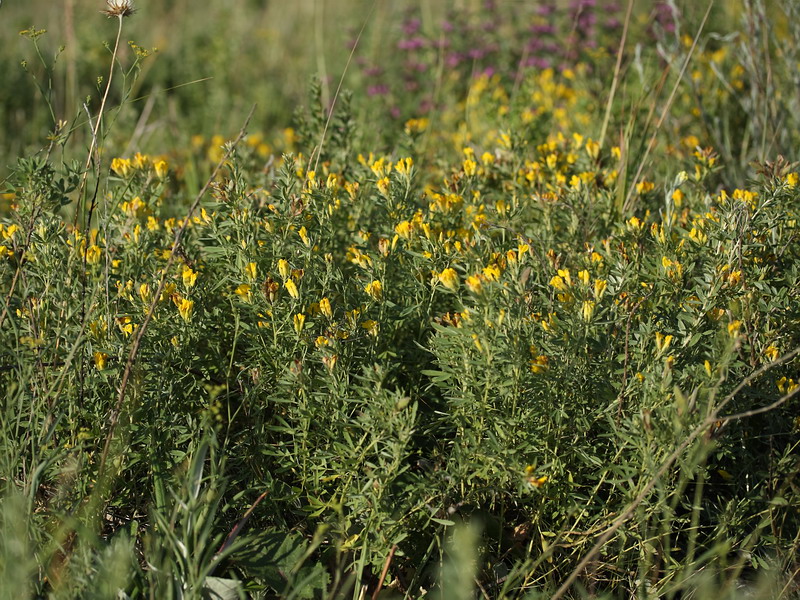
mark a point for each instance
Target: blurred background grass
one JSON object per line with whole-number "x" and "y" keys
{"x": 215, "y": 60}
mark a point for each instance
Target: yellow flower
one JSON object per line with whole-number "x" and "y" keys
{"x": 251, "y": 271}
{"x": 299, "y": 322}
{"x": 140, "y": 161}
{"x": 662, "y": 341}
{"x": 735, "y": 277}
{"x": 330, "y": 361}
{"x": 371, "y": 326}
{"x": 98, "y": 329}
{"x": 449, "y": 279}
{"x": 283, "y": 269}
{"x": 733, "y": 328}
{"x": 167, "y": 292}
{"x": 599, "y": 288}
{"x": 698, "y": 235}
{"x": 787, "y": 386}
{"x": 374, "y": 289}
{"x": 93, "y": 254}
{"x": 404, "y": 229}
{"x": 587, "y": 310}
{"x": 292, "y": 289}
{"x": 475, "y": 284}
{"x": 243, "y": 291}
{"x": 592, "y": 149}
{"x": 100, "y": 360}
{"x": 185, "y": 309}
{"x": 644, "y": 187}
{"x": 771, "y": 352}
{"x": 144, "y": 293}
{"x": 304, "y": 236}
{"x": 404, "y": 165}
{"x": 492, "y": 272}
{"x": 161, "y": 169}
{"x": 325, "y": 308}
{"x": 8, "y": 232}
{"x": 584, "y": 276}
{"x": 792, "y": 179}
{"x": 380, "y": 166}
{"x": 121, "y": 166}
{"x": 537, "y": 482}
{"x": 383, "y": 185}
{"x": 470, "y": 167}
{"x": 189, "y": 277}
{"x": 558, "y": 282}
{"x": 539, "y": 364}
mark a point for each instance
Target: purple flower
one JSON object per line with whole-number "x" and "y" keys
{"x": 538, "y": 62}
{"x": 415, "y": 66}
{"x": 534, "y": 45}
{"x": 411, "y": 26}
{"x": 545, "y": 9}
{"x": 543, "y": 29}
{"x": 453, "y": 59}
{"x": 380, "y": 89}
{"x": 586, "y": 20}
{"x": 414, "y": 43}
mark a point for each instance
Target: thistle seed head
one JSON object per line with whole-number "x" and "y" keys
{"x": 119, "y": 8}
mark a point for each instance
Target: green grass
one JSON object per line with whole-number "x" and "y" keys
{"x": 420, "y": 337}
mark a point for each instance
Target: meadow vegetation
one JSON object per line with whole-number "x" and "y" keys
{"x": 509, "y": 307}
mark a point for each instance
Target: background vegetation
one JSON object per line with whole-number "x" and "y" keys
{"x": 502, "y": 304}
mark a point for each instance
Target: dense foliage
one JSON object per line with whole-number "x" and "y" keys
{"x": 511, "y": 305}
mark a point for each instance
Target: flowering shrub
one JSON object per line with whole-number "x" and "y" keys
{"x": 306, "y": 376}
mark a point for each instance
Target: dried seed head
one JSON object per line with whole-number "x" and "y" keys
{"x": 119, "y": 8}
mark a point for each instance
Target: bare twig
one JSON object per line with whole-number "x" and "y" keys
{"x": 385, "y": 570}
{"x": 242, "y": 522}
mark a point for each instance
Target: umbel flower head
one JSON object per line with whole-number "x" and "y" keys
{"x": 119, "y": 8}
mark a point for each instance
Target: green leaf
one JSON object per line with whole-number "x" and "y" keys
{"x": 218, "y": 588}
{"x": 278, "y": 559}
